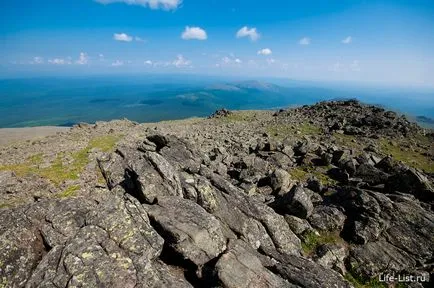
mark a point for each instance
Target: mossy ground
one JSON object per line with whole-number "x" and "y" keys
{"x": 10, "y": 203}
{"x": 59, "y": 171}
{"x": 238, "y": 116}
{"x": 359, "y": 282}
{"x": 348, "y": 141}
{"x": 69, "y": 192}
{"x": 408, "y": 150}
{"x": 311, "y": 241}
{"x": 303, "y": 173}
{"x": 3, "y": 282}
{"x": 281, "y": 131}
{"x": 400, "y": 151}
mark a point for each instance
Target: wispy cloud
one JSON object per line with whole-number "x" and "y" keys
{"x": 271, "y": 61}
{"x": 248, "y": 32}
{"x": 122, "y": 37}
{"x": 60, "y": 61}
{"x": 196, "y": 33}
{"x": 265, "y": 51}
{"x": 347, "y": 40}
{"x": 304, "y": 41}
{"x": 354, "y": 66}
{"x": 231, "y": 60}
{"x": 37, "y": 60}
{"x": 118, "y": 63}
{"x": 83, "y": 59}
{"x": 138, "y": 39}
{"x": 180, "y": 62}
{"x": 153, "y": 4}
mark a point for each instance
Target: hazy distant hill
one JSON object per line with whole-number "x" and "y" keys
{"x": 50, "y": 101}
{"x": 424, "y": 119}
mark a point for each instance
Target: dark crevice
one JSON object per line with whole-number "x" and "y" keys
{"x": 159, "y": 140}
{"x": 199, "y": 277}
{"x": 41, "y": 247}
{"x": 172, "y": 258}
{"x": 275, "y": 266}
{"x": 132, "y": 186}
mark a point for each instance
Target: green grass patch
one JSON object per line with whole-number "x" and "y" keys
{"x": 11, "y": 203}
{"x": 36, "y": 159}
{"x": 4, "y": 282}
{"x": 100, "y": 177}
{"x": 280, "y": 131}
{"x": 311, "y": 241}
{"x": 348, "y": 141}
{"x": 59, "y": 171}
{"x": 303, "y": 173}
{"x": 69, "y": 192}
{"x": 5, "y": 205}
{"x": 411, "y": 158}
{"x": 360, "y": 282}
{"x": 25, "y": 168}
{"x": 104, "y": 143}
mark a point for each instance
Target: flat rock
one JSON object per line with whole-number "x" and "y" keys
{"x": 188, "y": 228}
{"x": 238, "y": 268}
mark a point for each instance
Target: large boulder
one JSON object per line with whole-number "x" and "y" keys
{"x": 296, "y": 202}
{"x": 280, "y": 181}
{"x": 239, "y": 267}
{"x": 327, "y": 218}
{"x": 77, "y": 242}
{"x": 411, "y": 181}
{"x": 188, "y": 229}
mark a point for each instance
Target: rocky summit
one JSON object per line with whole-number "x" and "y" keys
{"x": 331, "y": 195}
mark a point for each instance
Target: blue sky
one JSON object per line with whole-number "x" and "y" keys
{"x": 387, "y": 42}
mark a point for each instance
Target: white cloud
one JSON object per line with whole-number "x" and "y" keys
{"x": 226, "y": 60}
{"x": 153, "y": 4}
{"x": 347, "y": 40}
{"x": 271, "y": 60}
{"x": 180, "y": 62}
{"x": 148, "y": 62}
{"x": 122, "y": 37}
{"x": 304, "y": 41}
{"x": 248, "y": 32}
{"x": 138, "y": 39}
{"x": 83, "y": 59}
{"x": 118, "y": 63}
{"x": 37, "y": 60}
{"x": 194, "y": 33}
{"x": 59, "y": 61}
{"x": 265, "y": 51}
{"x": 238, "y": 61}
